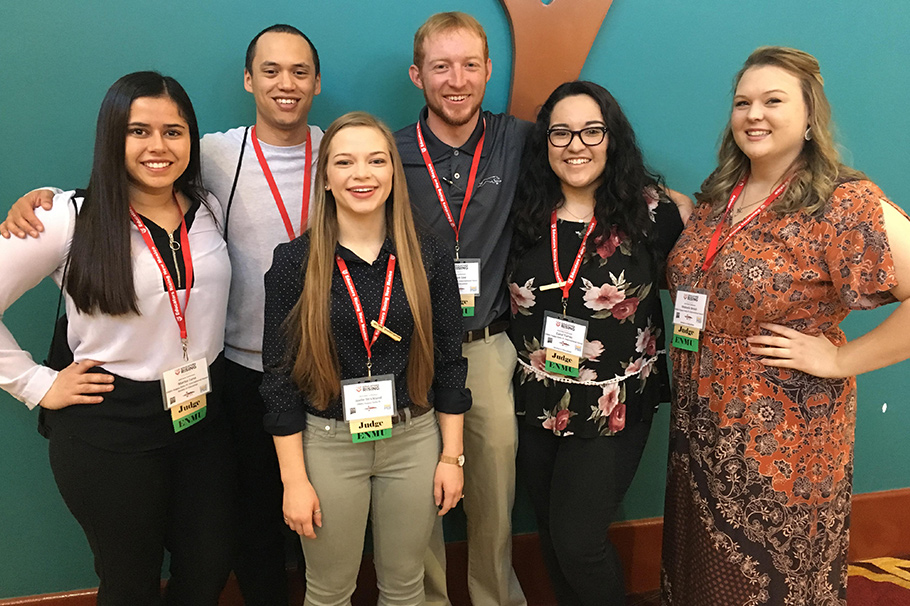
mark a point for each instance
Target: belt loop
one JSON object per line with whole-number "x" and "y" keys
{"x": 486, "y": 333}
{"x": 328, "y": 426}
{"x": 407, "y": 418}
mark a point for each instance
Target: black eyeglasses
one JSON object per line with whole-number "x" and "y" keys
{"x": 590, "y": 136}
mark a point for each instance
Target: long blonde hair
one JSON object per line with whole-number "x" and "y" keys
{"x": 309, "y": 326}
{"x": 818, "y": 169}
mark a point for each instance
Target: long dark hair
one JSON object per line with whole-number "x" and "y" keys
{"x": 620, "y": 198}
{"x": 100, "y": 274}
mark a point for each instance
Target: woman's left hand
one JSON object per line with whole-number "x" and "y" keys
{"x": 788, "y": 348}
{"x": 448, "y": 486}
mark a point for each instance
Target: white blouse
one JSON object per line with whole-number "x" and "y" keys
{"x": 138, "y": 347}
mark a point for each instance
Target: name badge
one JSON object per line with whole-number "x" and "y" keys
{"x": 564, "y": 340}
{"x": 369, "y": 405}
{"x": 689, "y": 313}
{"x": 183, "y": 389}
{"x": 690, "y": 308}
{"x": 467, "y": 272}
{"x": 185, "y": 382}
{"x": 188, "y": 413}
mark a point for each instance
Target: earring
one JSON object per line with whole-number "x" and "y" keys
{"x": 808, "y": 135}
{"x": 327, "y": 188}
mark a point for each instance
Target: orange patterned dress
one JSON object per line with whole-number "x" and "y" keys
{"x": 761, "y": 459}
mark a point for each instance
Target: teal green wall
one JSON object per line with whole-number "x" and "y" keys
{"x": 669, "y": 62}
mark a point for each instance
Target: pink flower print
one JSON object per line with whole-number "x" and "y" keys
{"x": 562, "y": 420}
{"x": 645, "y": 369}
{"x": 625, "y": 308}
{"x": 586, "y": 374}
{"x": 608, "y": 243}
{"x": 651, "y": 196}
{"x": 521, "y": 297}
{"x": 618, "y": 418}
{"x": 592, "y": 350}
{"x": 538, "y": 358}
{"x": 635, "y": 366}
{"x": 610, "y": 398}
{"x": 603, "y": 297}
{"x": 646, "y": 342}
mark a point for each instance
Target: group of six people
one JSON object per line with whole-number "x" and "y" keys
{"x": 467, "y": 269}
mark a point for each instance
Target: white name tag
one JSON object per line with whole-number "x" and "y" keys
{"x": 368, "y": 398}
{"x": 690, "y": 308}
{"x": 186, "y": 382}
{"x": 467, "y": 271}
{"x": 564, "y": 334}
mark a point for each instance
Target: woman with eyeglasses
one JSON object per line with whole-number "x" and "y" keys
{"x": 592, "y": 229}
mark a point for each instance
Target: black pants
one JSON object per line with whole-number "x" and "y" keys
{"x": 576, "y": 486}
{"x": 261, "y": 566}
{"x": 134, "y": 505}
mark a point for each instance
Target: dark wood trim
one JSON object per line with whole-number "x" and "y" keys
{"x": 880, "y": 527}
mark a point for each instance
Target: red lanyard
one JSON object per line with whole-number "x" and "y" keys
{"x": 438, "y": 186}
{"x": 715, "y": 244}
{"x": 274, "y": 187}
{"x": 554, "y": 249}
{"x": 358, "y": 308}
{"x": 179, "y": 315}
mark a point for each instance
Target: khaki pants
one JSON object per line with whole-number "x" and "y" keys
{"x": 390, "y": 480}
{"x": 490, "y": 443}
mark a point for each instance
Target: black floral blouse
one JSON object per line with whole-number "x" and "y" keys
{"x": 623, "y": 370}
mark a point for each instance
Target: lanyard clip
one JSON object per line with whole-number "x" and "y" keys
{"x": 369, "y": 366}
{"x": 185, "y": 356}
{"x": 565, "y": 302}
{"x": 457, "y": 248}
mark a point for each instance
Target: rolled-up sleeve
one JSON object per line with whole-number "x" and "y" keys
{"x": 285, "y": 413}
{"x": 451, "y": 368}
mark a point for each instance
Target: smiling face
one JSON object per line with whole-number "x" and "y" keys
{"x": 157, "y": 149}
{"x": 283, "y": 81}
{"x": 453, "y": 76}
{"x": 770, "y": 116}
{"x": 359, "y": 172}
{"x": 579, "y": 167}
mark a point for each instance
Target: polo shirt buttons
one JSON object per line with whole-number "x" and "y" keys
{"x": 457, "y": 176}
{"x": 455, "y": 152}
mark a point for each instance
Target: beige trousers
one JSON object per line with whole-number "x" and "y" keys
{"x": 490, "y": 443}
{"x": 390, "y": 480}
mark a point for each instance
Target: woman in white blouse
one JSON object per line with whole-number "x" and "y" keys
{"x": 137, "y": 444}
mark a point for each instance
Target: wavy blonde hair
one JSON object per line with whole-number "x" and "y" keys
{"x": 309, "y": 326}
{"x": 818, "y": 169}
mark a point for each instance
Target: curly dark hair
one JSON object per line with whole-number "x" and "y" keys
{"x": 619, "y": 200}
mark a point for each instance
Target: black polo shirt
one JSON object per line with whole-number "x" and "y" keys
{"x": 487, "y": 231}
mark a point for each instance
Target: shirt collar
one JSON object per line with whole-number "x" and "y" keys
{"x": 437, "y": 148}
{"x": 350, "y": 256}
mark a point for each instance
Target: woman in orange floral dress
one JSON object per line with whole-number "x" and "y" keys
{"x": 761, "y": 435}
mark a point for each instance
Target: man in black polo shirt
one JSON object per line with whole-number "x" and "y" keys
{"x": 462, "y": 167}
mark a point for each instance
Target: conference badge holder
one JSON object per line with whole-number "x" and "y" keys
{"x": 563, "y": 340}
{"x": 467, "y": 272}
{"x": 689, "y": 317}
{"x": 184, "y": 389}
{"x": 369, "y": 405}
